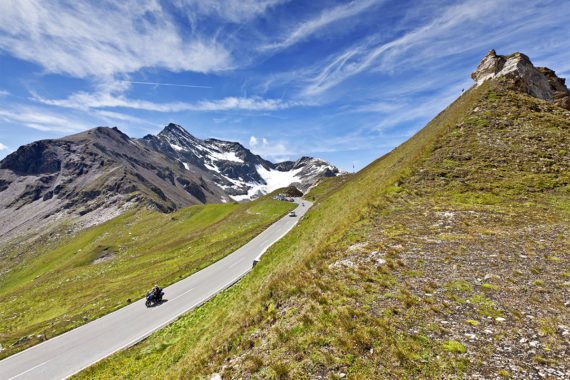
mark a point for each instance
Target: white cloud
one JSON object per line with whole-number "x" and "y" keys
{"x": 445, "y": 29}
{"x": 41, "y": 120}
{"x": 108, "y": 99}
{"x": 252, "y": 141}
{"x": 4, "y": 93}
{"x": 234, "y": 103}
{"x": 327, "y": 17}
{"x": 70, "y": 38}
{"x": 278, "y": 151}
{"x": 229, "y": 10}
{"x": 3, "y": 147}
{"x": 113, "y": 117}
{"x": 158, "y": 84}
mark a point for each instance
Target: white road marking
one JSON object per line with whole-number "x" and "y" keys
{"x": 180, "y": 295}
{"x": 31, "y": 369}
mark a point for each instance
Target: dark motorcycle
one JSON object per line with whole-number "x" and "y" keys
{"x": 153, "y": 299}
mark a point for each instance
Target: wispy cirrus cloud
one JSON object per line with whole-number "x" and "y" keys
{"x": 324, "y": 19}
{"x": 42, "y": 120}
{"x": 421, "y": 111}
{"x": 364, "y": 55}
{"x": 242, "y": 103}
{"x": 113, "y": 117}
{"x": 159, "y": 84}
{"x": 3, "y": 147}
{"x": 456, "y": 29}
{"x": 230, "y": 10}
{"x": 86, "y": 101}
{"x": 65, "y": 37}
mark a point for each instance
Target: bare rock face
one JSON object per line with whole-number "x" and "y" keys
{"x": 91, "y": 177}
{"x": 560, "y": 93}
{"x": 233, "y": 168}
{"x": 96, "y": 175}
{"x": 522, "y": 75}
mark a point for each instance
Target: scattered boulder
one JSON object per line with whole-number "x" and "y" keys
{"x": 22, "y": 340}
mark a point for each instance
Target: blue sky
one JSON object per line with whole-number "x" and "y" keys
{"x": 346, "y": 81}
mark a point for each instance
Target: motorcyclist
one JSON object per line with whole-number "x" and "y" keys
{"x": 156, "y": 292}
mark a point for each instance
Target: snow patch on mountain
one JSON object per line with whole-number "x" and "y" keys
{"x": 273, "y": 180}
{"x": 233, "y": 168}
{"x": 276, "y": 179}
{"x": 212, "y": 167}
{"x": 177, "y": 147}
{"x": 222, "y": 156}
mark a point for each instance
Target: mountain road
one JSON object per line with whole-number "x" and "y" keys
{"x": 69, "y": 353}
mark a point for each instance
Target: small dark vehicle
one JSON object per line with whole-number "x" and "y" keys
{"x": 154, "y": 298}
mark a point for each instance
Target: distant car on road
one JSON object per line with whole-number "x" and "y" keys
{"x": 292, "y": 213}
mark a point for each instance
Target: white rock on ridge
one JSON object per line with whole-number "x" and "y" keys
{"x": 540, "y": 82}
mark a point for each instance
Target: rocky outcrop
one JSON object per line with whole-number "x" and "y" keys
{"x": 560, "y": 93}
{"x": 36, "y": 158}
{"x": 520, "y": 74}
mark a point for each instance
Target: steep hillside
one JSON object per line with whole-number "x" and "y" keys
{"x": 68, "y": 279}
{"x": 446, "y": 258}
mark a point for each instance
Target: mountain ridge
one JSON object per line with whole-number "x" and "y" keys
{"x": 241, "y": 173}
{"x": 99, "y": 173}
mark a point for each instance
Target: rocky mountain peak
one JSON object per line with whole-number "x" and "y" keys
{"x": 176, "y": 131}
{"x": 520, "y": 74}
{"x": 107, "y": 132}
{"x": 97, "y": 174}
{"x": 234, "y": 168}
{"x": 306, "y": 159}
{"x": 171, "y": 127}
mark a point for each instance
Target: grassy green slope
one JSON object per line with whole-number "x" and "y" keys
{"x": 187, "y": 345}
{"x": 446, "y": 258}
{"x": 326, "y": 186}
{"x": 65, "y": 283}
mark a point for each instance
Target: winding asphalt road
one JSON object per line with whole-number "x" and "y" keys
{"x": 69, "y": 353}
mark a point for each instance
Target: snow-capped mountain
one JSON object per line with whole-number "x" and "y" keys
{"x": 95, "y": 175}
{"x": 240, "y": 173}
